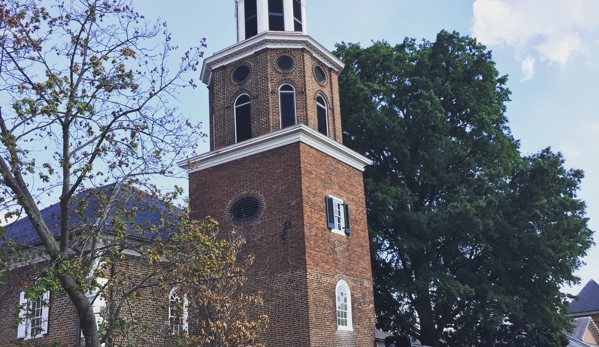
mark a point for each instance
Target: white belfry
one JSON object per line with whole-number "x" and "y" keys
{"x": 257, "y": 16}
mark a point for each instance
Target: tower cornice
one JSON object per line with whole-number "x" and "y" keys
{"x": 269, "y": 40}
{"x": 294, "y": 134}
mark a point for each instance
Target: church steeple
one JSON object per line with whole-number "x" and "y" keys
{"x": 257, "y": 16}
{"x": 278, "y": 174}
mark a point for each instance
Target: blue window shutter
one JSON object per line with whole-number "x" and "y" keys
{"x": 346, "y": 211}
{"x": 330, "y": 213}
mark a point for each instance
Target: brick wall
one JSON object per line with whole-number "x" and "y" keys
{"x": 332, "y": 257}
{"x": 297, "y": 271}
{"x": 62, "y": 321}
{"x": 279, "y": 270}
{"x": 148, "y": 305}
{"x": 262, "y": 85}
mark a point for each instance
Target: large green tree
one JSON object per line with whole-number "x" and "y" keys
{"x": 471, "y": 241}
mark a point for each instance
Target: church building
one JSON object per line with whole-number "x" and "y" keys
{"x": 278, "y": 171}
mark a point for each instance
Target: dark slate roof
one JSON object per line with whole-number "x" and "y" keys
{"x": 149, "y": 212}
{"x": 588, "y": 299}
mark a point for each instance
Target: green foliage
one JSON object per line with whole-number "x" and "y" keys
{"x": 205, "y": 269}
{"x": 470, "y": 241}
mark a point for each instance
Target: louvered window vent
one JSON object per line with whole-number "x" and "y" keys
{"x": 245, "y": 209}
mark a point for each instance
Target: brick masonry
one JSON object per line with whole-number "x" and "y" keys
{"x": 149, "y": 306}
{"x": 262, "y": 85}
{"x": 62, "y": 320}
{"x": 297, "y": 271}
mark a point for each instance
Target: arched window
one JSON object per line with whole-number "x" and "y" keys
{"x": 251, "y": 18}
{"x": 343, "y": 301}
{"x": 177, "y": 312}
{"x": 321, "y": 107}
{"x": 276, "y": 19}
{"x": 287, "y": 105}
{"x": 297, "y": 15}
{"x": 243, "y": 118}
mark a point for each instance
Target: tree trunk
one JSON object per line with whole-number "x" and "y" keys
{"x": 85, "y": 311}
{"x": 429, "y": 332}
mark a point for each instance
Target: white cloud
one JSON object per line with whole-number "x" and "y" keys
{"x": 569, "y": 152}
{"x": 528, "y": 68}
{"x": 554, "y": 31}
{"x": 592, "y": 127}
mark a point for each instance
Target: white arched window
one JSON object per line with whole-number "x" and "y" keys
{"x": 343, "y": 302}
{"x": 177, "y": 312}
{"x": 287, "y": 105}
{"x": 321, "y": 107}
{"x": 243, "y": 118}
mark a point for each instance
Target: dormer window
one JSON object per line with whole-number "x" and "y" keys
{"x": 276, "y": 17}
{"x": 251, "y": 18}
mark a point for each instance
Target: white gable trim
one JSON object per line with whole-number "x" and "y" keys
{"x": 297, "y": 133}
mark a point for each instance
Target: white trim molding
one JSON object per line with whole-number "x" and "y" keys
{"x": 272, "y": 40}
{"x": 293, "y": 134}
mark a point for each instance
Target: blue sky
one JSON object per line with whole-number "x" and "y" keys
{"x": 549, "y": 49}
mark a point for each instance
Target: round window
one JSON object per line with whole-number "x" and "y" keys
{"x": 241, "y": 73}
{"x": 285, "y": 63}
{"x": 319, "y": 73}
{"x": 245, "y": 209}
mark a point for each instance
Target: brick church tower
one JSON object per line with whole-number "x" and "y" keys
{"x": 278, "y": 172}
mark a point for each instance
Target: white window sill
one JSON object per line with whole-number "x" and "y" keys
{"x": 340, "y": 328}
{"x": 337, "y": 231}
{"x": 33, "y": 337}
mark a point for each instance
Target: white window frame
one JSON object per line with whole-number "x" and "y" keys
{"x": 95, "y": 294}
{"x": 322, "y": 105}
{"x": 174, "y": 297}
{"x": 281, "y": 92}
{"x": 343, "y": 286}
{"x": 235, "y": 106}
{"x": 27, "y": 316}
{"x": 339, "y": 216}
{"x": 293, "y": 15}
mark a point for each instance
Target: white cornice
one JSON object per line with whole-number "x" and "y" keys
{"x": 269, "y": 39}
{"x": 297, "y": 133}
